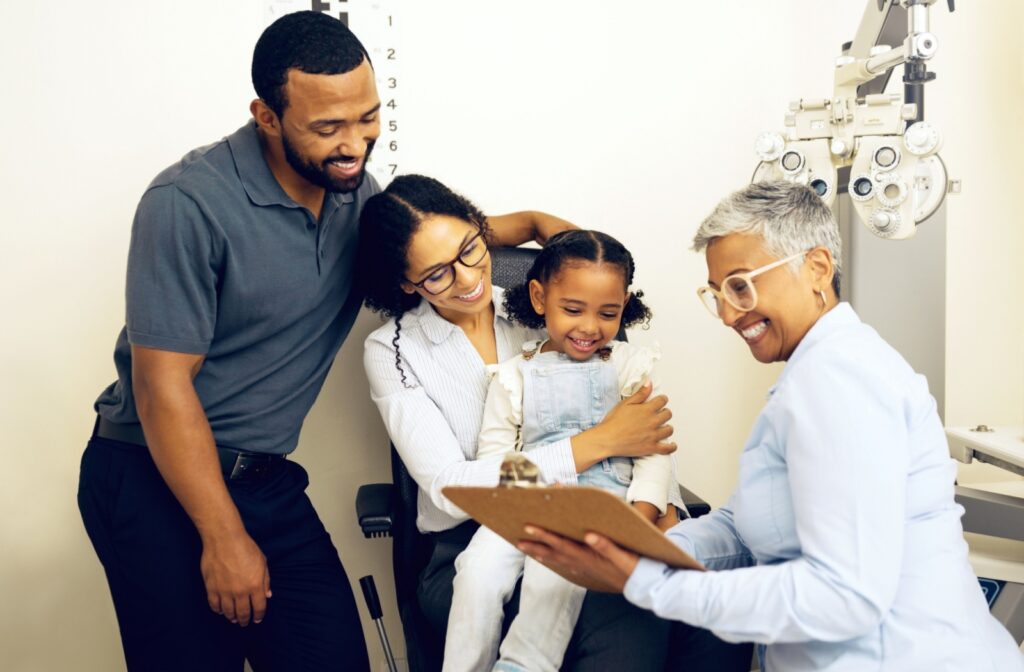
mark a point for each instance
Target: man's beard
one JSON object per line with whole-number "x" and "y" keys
{"x": 319, "y": 174}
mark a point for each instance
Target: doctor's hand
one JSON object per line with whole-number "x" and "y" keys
{"x": 599, "y": 561}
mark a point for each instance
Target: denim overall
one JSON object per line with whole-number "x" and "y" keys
{"x": 563, "y": 397}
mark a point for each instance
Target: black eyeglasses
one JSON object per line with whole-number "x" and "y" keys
{"x": 440, "y": 279}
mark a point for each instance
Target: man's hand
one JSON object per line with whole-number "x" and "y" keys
{"x": 236, "y": 577}
{"x": 182, "y": 445}
{"x": 600, "y": 561}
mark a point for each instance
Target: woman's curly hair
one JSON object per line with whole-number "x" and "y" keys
{"x": 563, "y": 249}
{"x": 386, "y": 226}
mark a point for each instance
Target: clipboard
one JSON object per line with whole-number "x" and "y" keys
{"x": 570, "y": 511}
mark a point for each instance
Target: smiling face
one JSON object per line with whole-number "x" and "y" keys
{"x": 438, "y": 240}
{"x": 582, "y": 307}
{"x": 328, "y": 129}
{"x": 788, "y": 305}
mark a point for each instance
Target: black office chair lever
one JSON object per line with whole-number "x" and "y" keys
{"x": 377, "y": 614}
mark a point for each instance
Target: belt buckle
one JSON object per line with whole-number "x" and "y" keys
{"x": 240, "y": 468}
{"x": 248, "y": 466}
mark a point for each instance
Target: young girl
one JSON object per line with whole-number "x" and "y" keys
{"x": 578, "y": 289}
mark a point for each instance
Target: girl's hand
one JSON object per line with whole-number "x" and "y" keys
{"x": 600, "y": 561}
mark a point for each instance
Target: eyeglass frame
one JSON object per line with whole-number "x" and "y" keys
{"x": 748, "y": 276}
{"x": 451, "y": 264}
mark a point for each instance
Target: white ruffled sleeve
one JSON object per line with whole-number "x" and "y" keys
{"x": 653, "y": 475}
{"x": 503, "y": 412}
{"x": 635, "y": 366}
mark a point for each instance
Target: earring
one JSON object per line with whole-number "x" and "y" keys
{"x": 824, "y": 301}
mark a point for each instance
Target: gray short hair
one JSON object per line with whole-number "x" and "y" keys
{"x": 789, "y": 217}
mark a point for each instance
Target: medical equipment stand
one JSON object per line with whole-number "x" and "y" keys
{"x": 994, "y": 518}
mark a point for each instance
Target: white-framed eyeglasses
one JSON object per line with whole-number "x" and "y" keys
{"x": 738, "y": 290}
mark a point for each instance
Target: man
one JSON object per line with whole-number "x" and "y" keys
{"x": 239, "y": 294}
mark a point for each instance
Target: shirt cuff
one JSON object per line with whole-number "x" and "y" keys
{"x": 556, "y": 462}
{"x": 652, "y": 493}
{"x": 646, "y": 589}
{"x": 639, "y": 588}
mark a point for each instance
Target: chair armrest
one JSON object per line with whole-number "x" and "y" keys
{"x": 373, "y": 508}
{"x": 694, "y": 504}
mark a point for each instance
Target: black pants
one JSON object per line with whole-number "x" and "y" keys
{"x": 150, "y": 551}
{"x": 611, "y": 633}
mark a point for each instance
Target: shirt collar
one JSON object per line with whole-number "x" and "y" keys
{"x": 257, "y": 179}
{"x": 840, "y": 317}
{"x": 438, "y": 329}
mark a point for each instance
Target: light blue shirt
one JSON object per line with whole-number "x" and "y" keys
{"x": 842, "y": 538}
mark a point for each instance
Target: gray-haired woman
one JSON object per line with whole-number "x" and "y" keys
{"x": 843, "y": 537}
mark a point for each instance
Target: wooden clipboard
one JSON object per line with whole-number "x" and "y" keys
{"x": 570, "y": 511}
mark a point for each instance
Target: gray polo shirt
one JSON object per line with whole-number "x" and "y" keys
{"x": 224, "y": 264}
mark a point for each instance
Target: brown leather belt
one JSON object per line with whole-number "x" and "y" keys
{"x": 235, "y": 464}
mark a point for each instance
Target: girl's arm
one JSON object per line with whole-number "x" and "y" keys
{"x": 653, "y": 475}
{"x": 503, "y": 415}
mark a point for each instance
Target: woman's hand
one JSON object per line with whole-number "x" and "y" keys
{"x": 545, "y": 226}
{"x": 600, "y": 561}
{"x": 636, "y": 427}
{"x": 517, "y": 228}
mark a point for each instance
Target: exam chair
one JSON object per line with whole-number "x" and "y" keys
{"x": 389, "y": 510}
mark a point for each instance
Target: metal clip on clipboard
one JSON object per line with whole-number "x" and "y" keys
{"x": 518, "y": 472}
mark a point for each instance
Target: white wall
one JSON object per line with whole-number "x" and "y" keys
{"x": 630, "y": 117}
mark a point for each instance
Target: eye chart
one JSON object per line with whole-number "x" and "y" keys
{"x": 374, "y": 23}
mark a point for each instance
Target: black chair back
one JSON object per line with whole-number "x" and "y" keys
{"x": 509, "y": 265}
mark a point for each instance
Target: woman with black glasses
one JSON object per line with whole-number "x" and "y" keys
{"x": 424, "y": 263}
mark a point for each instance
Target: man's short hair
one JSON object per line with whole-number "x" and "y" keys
{"x": 309, "y": 41}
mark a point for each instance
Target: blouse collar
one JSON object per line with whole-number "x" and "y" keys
{"x": 438, "y": 329}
